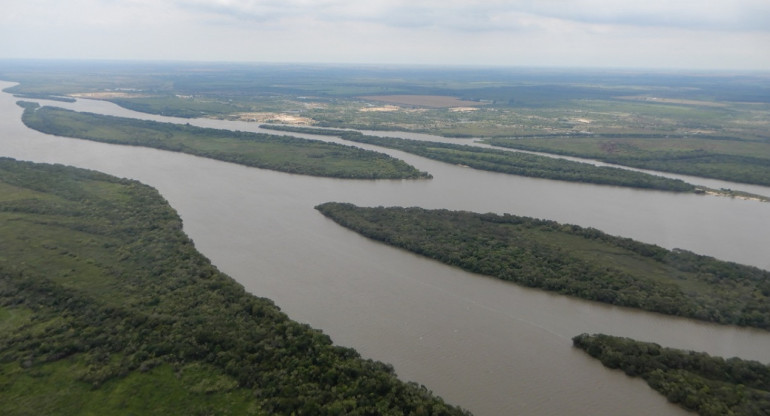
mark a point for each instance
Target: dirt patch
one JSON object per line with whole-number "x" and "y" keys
{"x": 105, "y": 95}
{"x": 671, "y": 100}
{"x": 314, "y": 106}
{"x": 435, "y": 101}
{"x": 275, "y": 118}
{"x": 385, "y": 108}
{"x": 462, "y": 109}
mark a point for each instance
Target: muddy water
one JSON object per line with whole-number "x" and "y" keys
{"x": 491, "y": 347}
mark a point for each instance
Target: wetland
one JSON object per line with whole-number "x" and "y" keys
{"x": 486, "y": 345}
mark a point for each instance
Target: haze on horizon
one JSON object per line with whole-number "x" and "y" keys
{"x": 683, "y": 34}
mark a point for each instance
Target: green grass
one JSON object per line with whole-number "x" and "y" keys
{"x": 13, "y": 318}
{"x": 56, "y": 389}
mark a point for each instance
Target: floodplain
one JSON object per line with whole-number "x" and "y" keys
{"x": 716, "y": 122}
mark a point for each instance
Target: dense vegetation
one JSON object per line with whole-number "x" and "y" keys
{"x": 728, "y": 159}
{"x": 572, "y": 260}
{"x": 45, "y": 97}
{"x": 708, "y": 124}
{"x": 173, "y": 106}
{"x": 711, "y": 386}
{"x": 106, "y": 307}
{"x": 511, "y": 101}
{"x": 286, "y": 154}
{"x": 514, "y": 163}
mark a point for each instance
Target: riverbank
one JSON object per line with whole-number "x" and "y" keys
{"x": 491, "y": 346}
{"x": 286, "y": 154}
{"x": 506, "y": 162}
{"x": 102, "y": 293}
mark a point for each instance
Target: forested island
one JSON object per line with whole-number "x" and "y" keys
{"x": 514, "y": 163}
{"x": 80, "y": 334}
{"x": 572, "y": 260}
{"x": 711, "y": 386}
{"x": 281, "y": 153}
{"x": 106, "y": 307}
{"x": 710, "y": 125}
{"x": 726, "y": 158}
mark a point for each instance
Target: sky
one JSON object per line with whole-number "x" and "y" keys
{"x": 667, "y": 34}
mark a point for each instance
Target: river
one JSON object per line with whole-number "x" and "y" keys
{"x": 486, "y": 345}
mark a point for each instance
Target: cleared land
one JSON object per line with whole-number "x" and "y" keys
{"x": 436, "y": 101}
{"x": 672, "y": 100}
{"x": 106, "y": 95}
{"x": 666, "y": 109}
{"x": 282, "y": 118}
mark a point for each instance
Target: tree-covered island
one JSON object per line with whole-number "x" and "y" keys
{"x": 281, "y": 153}
{"x": 710, "y": 386}
{"x": 726, "y": 158}
{"x": 514, "y": 163}
{"x": 107, "y": 308}
{"x": 572, "y": 260}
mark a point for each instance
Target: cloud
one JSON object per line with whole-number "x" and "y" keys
{"x": 496, "y": 15}
{"x": 740, "y": 15}
{"x": 670, "y": 33}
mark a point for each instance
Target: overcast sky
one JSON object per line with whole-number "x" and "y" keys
{"x": 697, "y": 34}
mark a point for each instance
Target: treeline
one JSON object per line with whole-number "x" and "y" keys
{"x": 582, "y": 136}
{"x": 572, "y": 260}
{"x": 743, "y": 168}
{"x": 711, "y": 386}
{"x": 281, "y": 153}
{"x": 515, "y": 163}
{"x": 101, "y": 294}
{"x": 173, "y": 106}
{"x": 42, "y": 96}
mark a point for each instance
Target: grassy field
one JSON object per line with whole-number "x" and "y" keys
{"x": 107, "y": 308}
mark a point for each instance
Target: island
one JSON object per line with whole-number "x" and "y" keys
{"x": 711, "y": 386}
{"x": 723, "y": 157}
{"x": 281, "y": 153}
{"x": 514, "y": 163}
{"x": 572, "y": 260}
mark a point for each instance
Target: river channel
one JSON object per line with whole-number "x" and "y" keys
{"x": 486, "y": 345}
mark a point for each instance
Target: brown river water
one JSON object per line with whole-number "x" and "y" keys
{"x": 489, "y": 346}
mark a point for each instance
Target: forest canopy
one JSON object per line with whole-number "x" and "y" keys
{"x": 571, "y": 260}
{"x": 711, "y": 386}
{"x": 106, "y": 307}
{"x": 514, "y": 163}
{"x": 282, "y": 153}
